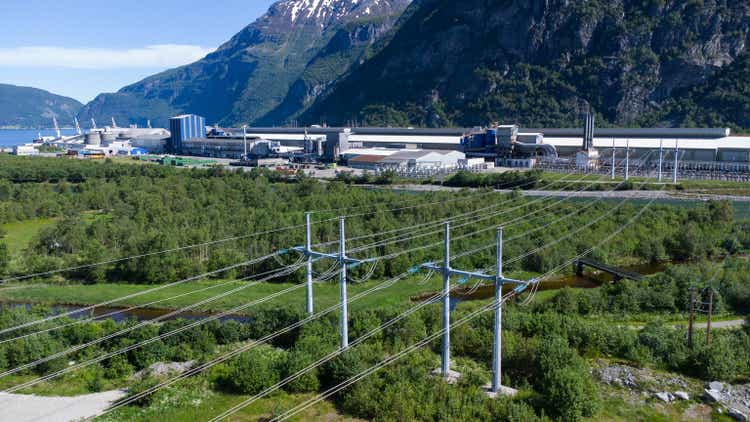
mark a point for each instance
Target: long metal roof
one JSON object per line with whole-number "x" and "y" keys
{"x": 707, "y": 133}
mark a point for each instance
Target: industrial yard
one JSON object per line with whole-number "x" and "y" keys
{"x": 661, "y": 154}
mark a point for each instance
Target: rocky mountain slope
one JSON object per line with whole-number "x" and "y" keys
{"x": 266, "y": 72}
{"x": 541, "y": 63}
{"x": 25, "y": 107}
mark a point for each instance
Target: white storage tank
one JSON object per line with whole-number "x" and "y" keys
{"x": 93, "y": 138}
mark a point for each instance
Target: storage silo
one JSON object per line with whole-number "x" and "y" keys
{"x": 93, "y": 138}
{"x": 108, "y": 138}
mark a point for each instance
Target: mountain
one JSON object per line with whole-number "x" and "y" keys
{"x": 543, "y": 63}
{"x": 267, "y": 72}
{"x": 25, "y": 107}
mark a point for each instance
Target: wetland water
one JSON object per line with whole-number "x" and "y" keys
{"x": 119, "y": 314}
{"x": 590, "y": 280}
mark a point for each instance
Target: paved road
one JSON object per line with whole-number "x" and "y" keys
{"x": 625, "y": 194}
{"x": 22, "y": 407}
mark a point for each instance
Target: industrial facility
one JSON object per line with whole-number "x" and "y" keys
{"x": 501, "y": 142}
{"x": 100, "y": 142}
{"x": 424, "y": 152}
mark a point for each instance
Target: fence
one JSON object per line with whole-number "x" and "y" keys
{"x": 686, "y": 170}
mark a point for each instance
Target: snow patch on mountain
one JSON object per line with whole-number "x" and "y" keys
{"x": 321, "y": 11}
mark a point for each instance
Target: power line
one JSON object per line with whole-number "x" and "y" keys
{"x": 434, "y": 336}
{"x": 234, "y": 353}
{"x": 134, "y": 295}
{"x": 144, "y": 323}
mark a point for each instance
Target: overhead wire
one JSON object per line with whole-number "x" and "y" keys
{"x": 133, "y": 295}
{"x": 115, "y": 300}
{"x": 142, "y": 324}
{"x": 205, "y": 366}
{"x": 22, "y": 386}
{"x": 197, "y": 245}
{"x": 489, "y": 216}
{"x": 434, "y": 336}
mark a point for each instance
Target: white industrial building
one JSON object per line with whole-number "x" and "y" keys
{"x": 25, "y": 150}
{"x": 402, "y": 159}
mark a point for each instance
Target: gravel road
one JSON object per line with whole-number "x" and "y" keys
{"x": 27, "y": 408}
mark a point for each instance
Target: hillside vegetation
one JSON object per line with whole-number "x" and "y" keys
{"x": 266, "y": 73}
{"x": 24, "y": 107}
{"x": 104, "y": 210}
{"x": 655, "y": 62}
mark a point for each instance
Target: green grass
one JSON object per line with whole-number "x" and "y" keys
{"x": 75, "y": 383}
{"x": 19, "y": 234}
{"x": 326, "y": 294}
{"x": 194, "y": 403}
{"x": 623, "y": 406}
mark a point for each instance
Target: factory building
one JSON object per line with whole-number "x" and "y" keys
{"x": 694, "y": 144}
{"x": 24, "y": 150}
{"x": 403, "y": 159}
{"x": 184, "y": 128}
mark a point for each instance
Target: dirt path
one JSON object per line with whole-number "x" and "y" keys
{"x": 27, "y": 408}
{"x": 733, "y": 323}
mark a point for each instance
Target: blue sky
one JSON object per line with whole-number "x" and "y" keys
{"x": 80, "y": 48}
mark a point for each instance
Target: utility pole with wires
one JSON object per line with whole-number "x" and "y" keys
{"x": 499, "y": 280}
{"x": 343, "y": 261}
{"x": 244, "y": 142}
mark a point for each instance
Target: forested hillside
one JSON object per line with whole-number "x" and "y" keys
{"x": 266, "y": 73}
{"x": 662, "y": 62}
{"x": 24, "y": 107}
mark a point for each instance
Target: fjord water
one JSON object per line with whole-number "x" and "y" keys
{"x": 12, "y": 137}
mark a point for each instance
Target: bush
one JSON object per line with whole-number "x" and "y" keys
{"x": 253, "y": 371}
{"x": 565, "y": 381}
{"x": 118, "y": 367}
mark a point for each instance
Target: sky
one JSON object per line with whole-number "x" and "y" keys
{"x": 81, "y": 48}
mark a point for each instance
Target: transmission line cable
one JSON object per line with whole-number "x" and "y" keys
{"x": 434, "y": 336}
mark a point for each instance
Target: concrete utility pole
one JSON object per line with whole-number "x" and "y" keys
{"x": 344, "y": 315}
{"x": 614, "y": 163}
{"x": 627, "y": 159}
{"x": 308, "y": 266}
{"x": 676, "y": 162}
{"x": 692, "y": 318}
{"x": 499, "y": 280}
{"x": 497, "y": 344}
{"x": 661, "y": 157}
{"x": 445, "y": 364}
{"x": 343, "y": 261}
{"x": 710, "y": 311}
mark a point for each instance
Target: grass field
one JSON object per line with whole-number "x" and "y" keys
{"x": 197, "y": 402}
{"x": 19, "y": 234}
{"x": 325, "y": 294}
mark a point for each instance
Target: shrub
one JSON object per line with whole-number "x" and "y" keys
{"x": 253, "y": 371}
{"x": 564, "y": 379}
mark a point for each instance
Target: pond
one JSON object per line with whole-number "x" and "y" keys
{"x": 590, "y": 280}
